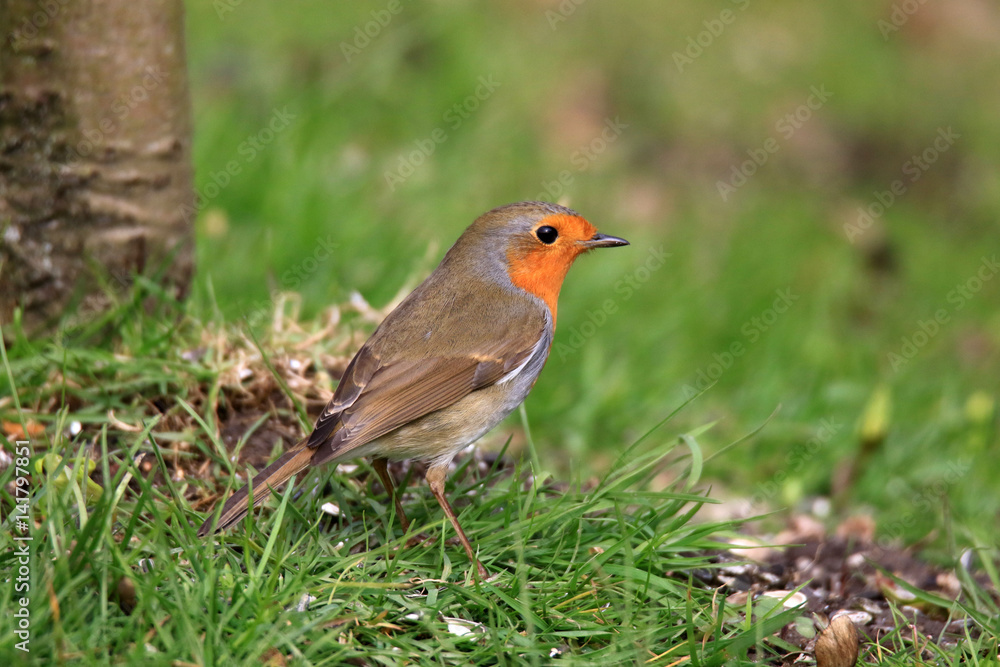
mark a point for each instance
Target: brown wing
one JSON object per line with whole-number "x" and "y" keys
{"x": 374, "y": 399}
{"x": 359, "y": 372}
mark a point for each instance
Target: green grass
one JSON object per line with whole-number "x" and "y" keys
{"x": 598, "y": 572}
{"x": 321, "y": 183}
{"x": 603, "y": 570}
{"x": 312, "y": 213}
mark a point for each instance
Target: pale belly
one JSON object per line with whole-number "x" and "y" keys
{"x": 437, "y": 437}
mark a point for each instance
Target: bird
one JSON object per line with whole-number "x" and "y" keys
{"x": 454, "y": 358}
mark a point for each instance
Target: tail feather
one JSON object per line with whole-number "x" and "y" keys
{"x": 266, "y": 481}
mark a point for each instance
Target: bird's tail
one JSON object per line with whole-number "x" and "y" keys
{"x": 267, "y": 480}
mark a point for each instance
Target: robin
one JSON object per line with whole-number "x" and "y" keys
{"x": 450, "y": 362}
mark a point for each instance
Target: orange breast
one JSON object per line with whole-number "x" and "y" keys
{"x": 540, "y": 269}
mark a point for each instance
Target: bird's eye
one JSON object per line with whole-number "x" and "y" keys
{"x": 547, "y": 235}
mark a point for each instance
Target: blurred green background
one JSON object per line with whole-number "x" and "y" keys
{"x": 823, "y": 178}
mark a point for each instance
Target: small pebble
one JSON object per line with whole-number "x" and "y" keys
{"x": 788, "y": 599}
{"x": 837, "y": 645}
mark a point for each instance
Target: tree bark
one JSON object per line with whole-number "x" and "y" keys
{"x": 95, "y": 154}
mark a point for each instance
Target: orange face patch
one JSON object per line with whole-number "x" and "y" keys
{"x": 540, "y": 268}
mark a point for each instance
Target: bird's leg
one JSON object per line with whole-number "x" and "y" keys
{"x": 381, "y": 467}
{"x": 435, "y": 479}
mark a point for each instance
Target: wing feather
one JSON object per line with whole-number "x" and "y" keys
{"x": 403, "y": 391}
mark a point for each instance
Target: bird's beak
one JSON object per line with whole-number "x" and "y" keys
{"x": 604, "y": 241}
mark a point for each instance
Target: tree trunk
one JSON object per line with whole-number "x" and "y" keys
{"x": 95, "y": 154}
